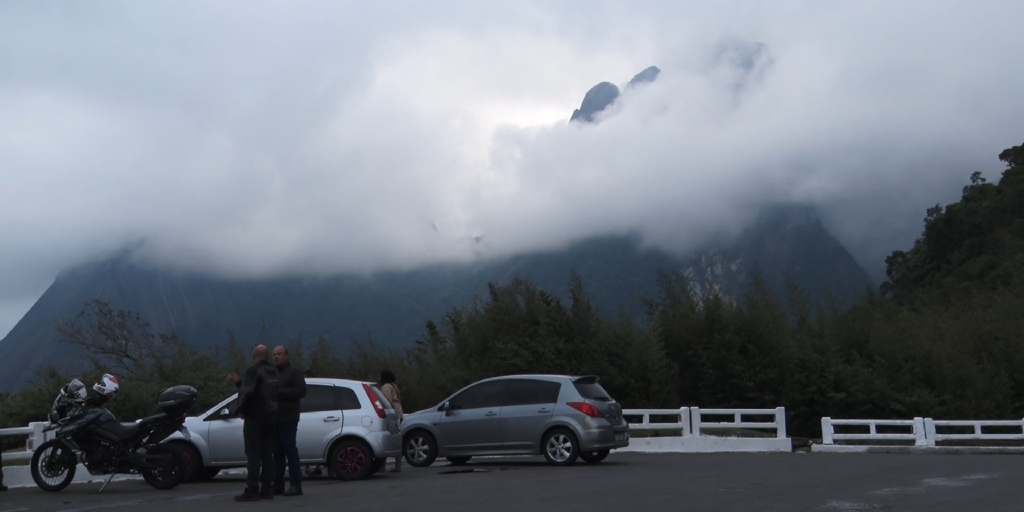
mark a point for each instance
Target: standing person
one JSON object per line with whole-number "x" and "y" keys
{"x": 257, "y": 405}
{"x": 391, "y": 392}
{"x": 311, "y": 470}
{"x": 291, "y": 388}
{"x": 2, "y": 486}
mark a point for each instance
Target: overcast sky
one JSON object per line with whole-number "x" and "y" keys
{"x": 255, "y": 138}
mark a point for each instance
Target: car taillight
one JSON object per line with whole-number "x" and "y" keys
{"x": 375, "y": 401}
{"x": 585, "y": 408}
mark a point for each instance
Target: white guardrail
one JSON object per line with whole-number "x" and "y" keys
{"x": 34, "y": 432}
{"x": 692, "y": 425}
{"x": 924, "y": 432}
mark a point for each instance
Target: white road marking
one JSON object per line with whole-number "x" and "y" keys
{"x": 850, "y": 506}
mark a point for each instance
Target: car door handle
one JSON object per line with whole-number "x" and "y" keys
{"x": 332, "y": 418}
{"x": 544, "y": 410}
{"x": 491, "y": 413}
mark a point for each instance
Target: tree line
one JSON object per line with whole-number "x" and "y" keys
{"x": 942, "y": 337}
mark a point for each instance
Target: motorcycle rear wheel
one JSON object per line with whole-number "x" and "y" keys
{"x": 53, "y": 466}
{"x": 174, "y": 467}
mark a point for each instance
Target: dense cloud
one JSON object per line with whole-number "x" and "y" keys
{"x": 259, "y": 138}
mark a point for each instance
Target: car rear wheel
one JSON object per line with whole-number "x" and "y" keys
{"x": 352, "y": 460}
{"x": 594, "y": 456}
{"x": 458, "y": 461}
{"x": 560, "y": 447}
{"x": 420, "y": 449}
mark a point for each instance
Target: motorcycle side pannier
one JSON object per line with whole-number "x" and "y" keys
{"x": 177, "y": 399}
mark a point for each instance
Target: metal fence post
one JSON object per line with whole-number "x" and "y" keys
{"x": 780, "y": 420}
{"x": 919, "y": 432}
{"x": 826, "y": 430}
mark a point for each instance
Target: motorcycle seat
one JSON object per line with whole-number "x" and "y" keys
{"x": 151, "y": 419}
{"x": 130, "y": 430}
{"x": 125, "y": 430}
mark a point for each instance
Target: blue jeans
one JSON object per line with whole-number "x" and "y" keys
{"x": 284, "y": 446}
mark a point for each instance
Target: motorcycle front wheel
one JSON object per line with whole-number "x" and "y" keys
{"x": 171, "y": 470}
{"x": 53, "y": 466}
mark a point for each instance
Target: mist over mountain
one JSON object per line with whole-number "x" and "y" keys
{"x": 393, "y": 307}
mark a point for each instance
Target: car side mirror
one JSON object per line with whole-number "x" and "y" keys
{"x": 447, "y": 408}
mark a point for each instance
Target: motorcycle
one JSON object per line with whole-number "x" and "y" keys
{"x": 86, "y": 432}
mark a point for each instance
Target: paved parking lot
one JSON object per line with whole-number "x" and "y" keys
{"x": 627, "y": 481}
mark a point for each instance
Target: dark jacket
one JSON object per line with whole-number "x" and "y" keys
{"x": 257, "y": 393}
{"x": 291, "y": 388}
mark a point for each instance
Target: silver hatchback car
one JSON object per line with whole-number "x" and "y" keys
{"x": 346, "y": 425}
{"x": 561, "y": 417}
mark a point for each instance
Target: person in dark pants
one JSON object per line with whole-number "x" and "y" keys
{"x": 291, "y": 388}
{"x": 2, "y": 486}
{"x": 257, "y": 405}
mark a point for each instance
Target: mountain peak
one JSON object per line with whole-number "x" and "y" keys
{"x": 600, "y": 96}
{"x": 646, "y": 76}
{"x": 597, "y": 99}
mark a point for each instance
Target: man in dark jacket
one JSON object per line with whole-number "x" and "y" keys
{"x": 257, "y": 405}
{"x": 2, "y": 486}
{"x": 291, "y": 388}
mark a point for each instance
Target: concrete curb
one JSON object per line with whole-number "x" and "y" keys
{"x": 948, "y": 450}
{"x": 707, "y": 444}
{"x": 21, "y": 476}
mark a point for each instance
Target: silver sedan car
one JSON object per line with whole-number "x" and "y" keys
{"x": 346, "y": 425}
{"x": 559, "y": 416}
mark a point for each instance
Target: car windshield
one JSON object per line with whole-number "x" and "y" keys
{"x": 589, "y": 388}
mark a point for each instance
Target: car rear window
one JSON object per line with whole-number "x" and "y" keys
{"x": 591, "y": 390}
{"x": 346, "y": 398}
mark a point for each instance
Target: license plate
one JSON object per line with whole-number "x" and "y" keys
{"x": 184, "y": 431}
{"x": 620, "y": 436}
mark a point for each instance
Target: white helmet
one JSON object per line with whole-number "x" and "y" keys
{"x": 107, "y": 386}
{"x": 75, "y": 391}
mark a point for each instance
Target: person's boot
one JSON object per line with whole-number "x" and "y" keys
{"x": 267, "y": 493}
{"x": 248, "y": 494}
{"x": 294, "y": 490}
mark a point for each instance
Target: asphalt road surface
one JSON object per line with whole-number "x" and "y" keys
{"x": 626, "y": 482}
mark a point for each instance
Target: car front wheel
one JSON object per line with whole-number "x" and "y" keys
{"x": 561, "y": 447}
{"x": 420, "y": 449}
